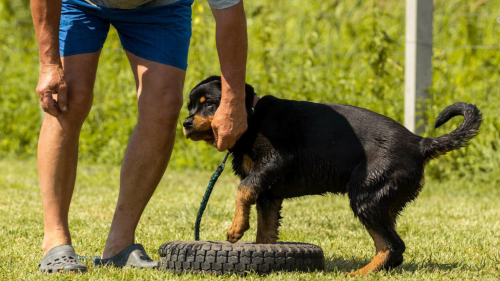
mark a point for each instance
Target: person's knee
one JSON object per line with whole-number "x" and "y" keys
{"x": 79, "y": 103}
{"x": 163, "y": 109}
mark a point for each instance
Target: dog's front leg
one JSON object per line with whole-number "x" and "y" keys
{"x": 270, "y": 167}
{"x": 268, "y": 222}
{"x": 245, "y": 198}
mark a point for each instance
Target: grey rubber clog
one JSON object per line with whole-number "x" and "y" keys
{"x": 133, "y": 256}
{"x": 61, "y": 258}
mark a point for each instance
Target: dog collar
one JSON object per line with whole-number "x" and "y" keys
{"x": 255, "y": 101}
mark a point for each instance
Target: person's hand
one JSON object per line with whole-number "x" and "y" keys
{"x": 52, "y": 90}
{"x": 229, "y": 123}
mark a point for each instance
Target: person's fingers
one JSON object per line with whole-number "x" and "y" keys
{"x": 216, "y": 135}
{"x": 49, "y": 104}
{"x": 224, "y": 142}
{"x": 221, "y": 144}
{"x": 62, "y": 97}
{"x": 215, "y": 129}
{"x": 43, "y": 102}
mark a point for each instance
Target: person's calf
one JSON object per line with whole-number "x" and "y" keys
{"x": 144, "y": 164}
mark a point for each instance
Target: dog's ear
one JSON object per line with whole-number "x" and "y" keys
{"x": 249, "y": 95}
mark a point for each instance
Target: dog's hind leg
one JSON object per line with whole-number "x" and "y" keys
{"x": 389, "y": 251}
{"x": 268, "y": 213}
{"x": 374, "y": 209}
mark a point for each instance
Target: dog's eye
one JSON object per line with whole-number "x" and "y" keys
{"x": 208, "y": 103}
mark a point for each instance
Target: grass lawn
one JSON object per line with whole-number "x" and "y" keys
{"x": 452, "y": 231}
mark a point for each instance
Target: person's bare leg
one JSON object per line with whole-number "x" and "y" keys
{"x": 159, "y": 90}
{"x": 58, "y": 148}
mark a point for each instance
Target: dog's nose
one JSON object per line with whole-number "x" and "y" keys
{"x": 188, "y": 123}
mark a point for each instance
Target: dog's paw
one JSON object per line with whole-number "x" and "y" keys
{"x": 357, "y": 273}
{"x": 233, "y": 235}
{"x": 236, "y": 232}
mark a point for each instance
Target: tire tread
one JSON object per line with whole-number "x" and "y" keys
{"x": 239, "y": 258}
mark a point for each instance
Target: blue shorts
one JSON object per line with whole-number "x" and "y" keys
{"x": 161, "y": 34}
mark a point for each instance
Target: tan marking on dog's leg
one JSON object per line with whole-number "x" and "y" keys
{"x": 245, "y": 198}
{"x": 268, "y": 223}
{"x": 247, "y": 163}
{"x": 383, "y": 251}
{"x": 202, "y": 99}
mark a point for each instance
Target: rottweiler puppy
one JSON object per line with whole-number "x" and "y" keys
{"x": 296, "y": 148}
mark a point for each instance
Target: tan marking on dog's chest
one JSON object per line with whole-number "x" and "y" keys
{"x": 247, "y": 163}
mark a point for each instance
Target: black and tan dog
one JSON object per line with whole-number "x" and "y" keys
{"x": 297, "y": 148}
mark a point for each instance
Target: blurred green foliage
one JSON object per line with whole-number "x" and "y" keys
{"x": 349, "y": 52}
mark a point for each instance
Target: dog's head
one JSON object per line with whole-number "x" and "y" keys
{"x": 203, "y": 101}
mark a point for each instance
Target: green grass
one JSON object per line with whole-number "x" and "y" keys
{"x": 452, "y": 231}
{"x": 349, "y": 52}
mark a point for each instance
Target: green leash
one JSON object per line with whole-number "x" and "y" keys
{"x": 204, "y": 201}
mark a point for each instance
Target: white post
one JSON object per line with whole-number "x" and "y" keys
{"x": 418, "y": 61}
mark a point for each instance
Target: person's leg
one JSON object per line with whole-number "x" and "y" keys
{"x": 58, "y": 148}
{"x": 159, "y": 91}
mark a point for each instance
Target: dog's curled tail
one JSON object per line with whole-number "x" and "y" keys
{"x": 434, "y": 147}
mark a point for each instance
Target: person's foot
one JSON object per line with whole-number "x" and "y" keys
{"x": 61, "y": 258}
{"x": 133, "y": 256}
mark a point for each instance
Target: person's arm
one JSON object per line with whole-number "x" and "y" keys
{"x": 230, "y": 120}
{"x": 46, "y": 17}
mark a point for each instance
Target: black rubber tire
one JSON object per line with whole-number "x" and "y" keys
{"x": 239, "y": 258}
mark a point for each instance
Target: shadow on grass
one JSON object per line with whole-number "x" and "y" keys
{"x": 339, "y": 264}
